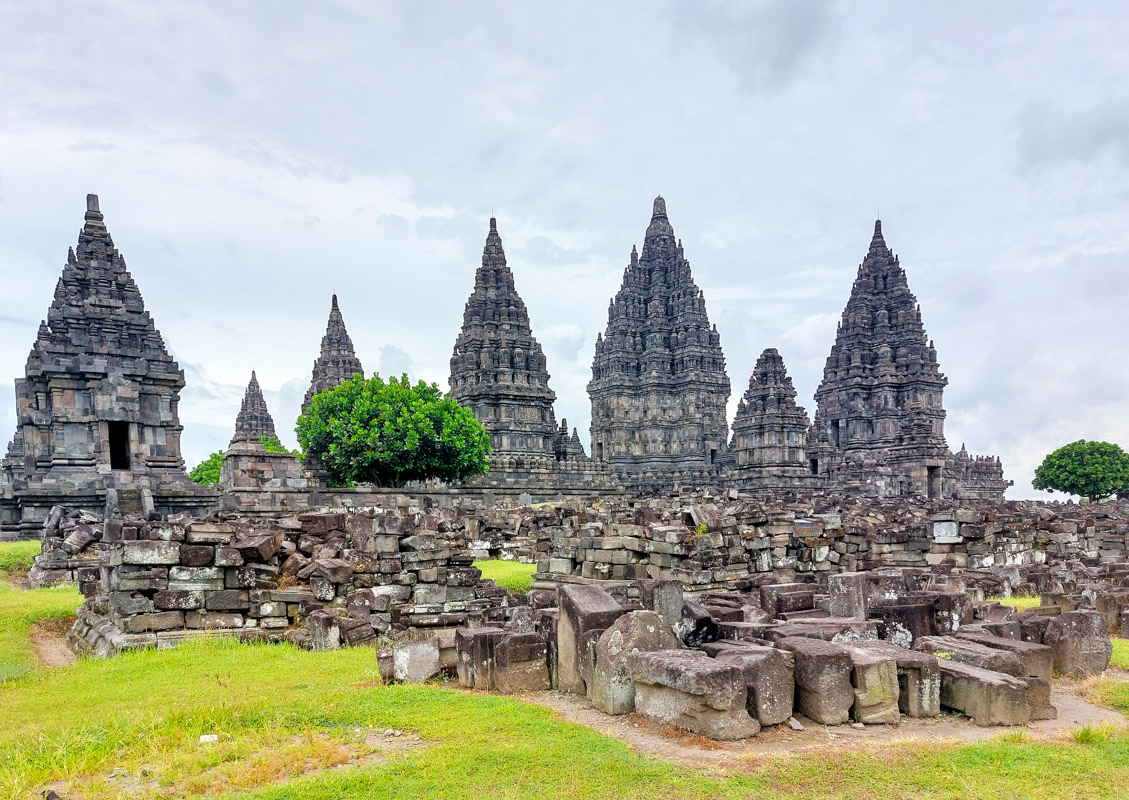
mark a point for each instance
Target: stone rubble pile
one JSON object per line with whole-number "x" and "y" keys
{"x": 321, "y": 579}
{"x": 867, "y": 647}
{"x": 708, "y": 543}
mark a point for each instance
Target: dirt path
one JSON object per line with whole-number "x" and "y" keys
{"x": 679, "y": 746}
{"x": 49, "y": 643}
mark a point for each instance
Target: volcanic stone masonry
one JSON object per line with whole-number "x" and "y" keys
{"x": 337, "y": 362}
{"x": 498, "y": 370}
{"x": 659, "y": 385}
{"x": 254, "y": 420}
{"x": 879, "y": 421}
{"x": 97, "y": 423}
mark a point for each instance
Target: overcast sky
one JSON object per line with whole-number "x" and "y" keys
{"x": 254, "y": 158}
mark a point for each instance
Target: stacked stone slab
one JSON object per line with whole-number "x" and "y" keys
{"x": 769, "y": 434}
{"x": 337, "y": 362}
{"x": 157, "y": 582}
{"x": 659, "y": 386}
{"x": 879, "y": 423}
{"x": 97, "y": 408}
{"x": 499, "y": 371}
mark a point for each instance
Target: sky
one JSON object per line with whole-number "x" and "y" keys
{"x": 254, "y": 158}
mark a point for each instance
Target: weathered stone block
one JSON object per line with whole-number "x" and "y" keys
{"x": 823, "y": 679}
{"x": 1080, "y": 643}
{"x": 989, "y": 698}
{"x": 148, "y": 552}
{"x": 611, "y": 689}
{"x": 769, "y": 682}
{"x": 583, "y": 608}
{"x": 692, "y": 691}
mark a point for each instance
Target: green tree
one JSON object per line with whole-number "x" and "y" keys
{"x": 369, "y": 431}
{"x": 208, "y": 470}
{"x": 1093, "y": 470}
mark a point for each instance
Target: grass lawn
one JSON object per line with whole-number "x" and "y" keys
{"x": 17, "y": 556}
{"x": 1018, "y": 603}
{"x": 295, "y": 724}
{"x": 512, "y": 575}
{"x": 19, "y": 610}
{"x": 1120, "y": 654}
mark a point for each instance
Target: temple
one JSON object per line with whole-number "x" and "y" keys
{"x": 879, "y": 421}
{"x": 659, "y": 386}
{"x": 97, "y": 424}
{"x": 254, "y": 420}
{"x": 499, "y": 371}
{"x": 769, "y": 434}
{"x": 337, "y": 362}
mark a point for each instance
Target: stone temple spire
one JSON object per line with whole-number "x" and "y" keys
{"x": 880, "y": 414}
{"x": 97, "y": 407}
{"x": 337, "y": 362}
{"x": 498, "y": 369}
{"x": 769, "y": 432}
{"x": 254, "y": 420}
{"x": 659, "y": 386}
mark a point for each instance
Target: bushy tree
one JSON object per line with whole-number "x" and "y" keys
{"x": 208, "y": 470}
{"x": 370, "y": 431}
{"x": 1093, "y": 470}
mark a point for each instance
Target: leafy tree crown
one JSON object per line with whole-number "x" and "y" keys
{"x": 1093, "y": 470}
{"x": 389, "y": 433}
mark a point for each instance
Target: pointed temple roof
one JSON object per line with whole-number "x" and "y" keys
{"x": 98, "y": 320}
{"x": 658, "y": 329}
{"x": 881, "y": 335}
{"x": 496, "y": 352}
{"x": 337, "y": 362}
{"x": 770, "y": 392}
{"x": 254, "y": 420}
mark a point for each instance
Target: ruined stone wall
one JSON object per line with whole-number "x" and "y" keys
{"x": 359, "y": 574}
{"x": 711, "y": 545}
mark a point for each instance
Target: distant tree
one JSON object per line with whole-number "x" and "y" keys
{"x": 1094, "y": 470}
{"x": 208, "y": 470}
{"x": 369, "y": 431}
{"x": 272, "y": 445}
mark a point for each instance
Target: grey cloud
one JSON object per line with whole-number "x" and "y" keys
{"x": 396, "y": 361}
{"x": 1048, "y": 135}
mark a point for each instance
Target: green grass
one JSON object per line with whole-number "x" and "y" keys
{"x": 19, "y": 610}
{"x": 1120, "y": 654}
{"x": 295, "y": 724}
{"x": 512, "y": 575}
{"x": 17, "y": 556}
{"x": 279, "y": 710}
{"x": 1018, "y": 603}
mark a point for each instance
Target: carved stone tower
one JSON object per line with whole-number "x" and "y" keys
{"x": 769, "y": 433}
{"x": 879, "y": 424}
{"x": 254, "y": 420}
{"x": 337, "y": 362}
{"x": 659, "y": 386}
{"x": 498, "y": 369}
{"x": 97, "y": 422}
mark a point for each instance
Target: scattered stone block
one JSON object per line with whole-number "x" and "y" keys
{"x": 989, "y": 698}
{"x": 690, "y": 690}
{"x": 1080, "y": 643}
{"x": 583, "y": 608}
{"x": 823, "y": 679}
{"x": 611, "y": 689}
{"x": 769, "y": 682}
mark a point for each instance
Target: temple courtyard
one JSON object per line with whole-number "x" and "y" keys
{"x": 216, "y": 718}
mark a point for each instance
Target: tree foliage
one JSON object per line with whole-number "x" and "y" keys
{"x": 208, "y": 470}
{"x": 1093, "y": 470}
{"x": 370, "y": 431}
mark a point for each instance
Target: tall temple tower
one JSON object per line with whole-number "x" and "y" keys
{"x": 498, "y": 369}
{"x": 770, "y": 432}
{"x": 659, "y": 386}
{"x": 97, "y": 421}
{"x": 254, "y": 420}
{"x": 879, "y": 423}
{"x": 337, "y": 362}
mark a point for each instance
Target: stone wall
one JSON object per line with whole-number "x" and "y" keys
{"x": 711, "y": 543}
{"x": 319, "y": 578}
